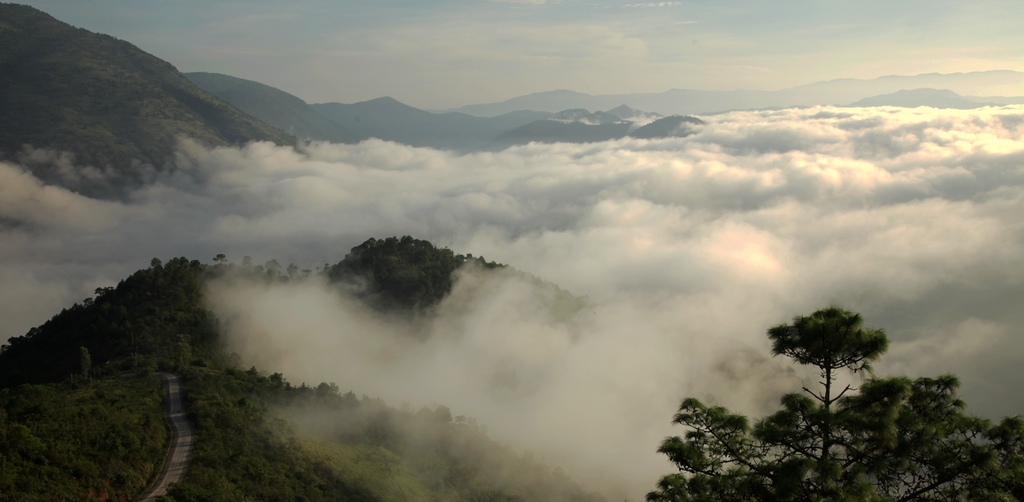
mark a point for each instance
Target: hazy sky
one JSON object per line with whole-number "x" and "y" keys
{"x": 687, "y": 248}
{"x": 439, "y": 54}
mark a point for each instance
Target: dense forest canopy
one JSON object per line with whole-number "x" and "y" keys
{"x": 402, "y": 273}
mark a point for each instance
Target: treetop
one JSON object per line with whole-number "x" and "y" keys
{"x": 831, "y": 338}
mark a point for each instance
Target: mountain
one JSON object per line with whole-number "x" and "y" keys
{"x": 676, "y": 126}
{"x": 550, "y": 131}
{"x": 585, "y": 117}
{"x": 388, "y": 119}
{"x": 275, "y": 107}
{"x": 92, "y": 428}
{"x": 549, "y": 101}
{"x": 637, "y": 117}
{"x": 578, "y": 125}
{"x": 833, "y": 92}
{"x": 912, "y": 98}
{"x": 104, "y": 100}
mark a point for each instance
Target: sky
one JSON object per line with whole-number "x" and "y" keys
{"x": 449, "y": 53}
{"x": 684, "y": 251}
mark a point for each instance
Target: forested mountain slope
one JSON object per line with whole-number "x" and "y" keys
{"x": 106, "y": 101}
{"x": 253, "y": 439}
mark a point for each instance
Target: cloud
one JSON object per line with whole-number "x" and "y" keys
{"x": 651, "y": 4}
{"x": 686, "y": 249}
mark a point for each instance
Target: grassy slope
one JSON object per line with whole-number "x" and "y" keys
{"x": 103, "y": 99}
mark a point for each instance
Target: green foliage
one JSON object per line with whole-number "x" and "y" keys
{"x": 104, "y": 100}
{"x": 892, "y": 440}
{"x": 182, "y": 353}
{"x": 245, "y": 450}
{"x": 452, "y": 457}
{"x": 85, "y": 361}
{"x": 351, "y": 448}
{"x": 243, "y": 454}
{"x": 62, "y": 442}
{"x": 145, "y": 313}
{"x": 831, "y": 339}
{"x": 404, "y": 273}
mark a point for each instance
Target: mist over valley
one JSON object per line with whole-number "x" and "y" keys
{"x": 504, "y": 301}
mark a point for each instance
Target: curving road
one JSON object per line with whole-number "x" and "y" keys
{"x": 183, "y": 440}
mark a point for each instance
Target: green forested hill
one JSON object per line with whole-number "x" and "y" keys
{"x": 103, "y": 99}
{"x": 72, "y": 425}
{"x": 400, "y": 273}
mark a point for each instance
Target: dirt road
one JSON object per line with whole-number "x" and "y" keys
{"x": 183, "y": 438}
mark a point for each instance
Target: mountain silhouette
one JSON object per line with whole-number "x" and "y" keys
{"x": 104, "y": 100}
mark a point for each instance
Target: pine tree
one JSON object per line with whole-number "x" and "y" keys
{"x": 893, "y": 439}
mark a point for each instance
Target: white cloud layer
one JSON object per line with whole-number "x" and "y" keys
{"x": 687, "y": 250}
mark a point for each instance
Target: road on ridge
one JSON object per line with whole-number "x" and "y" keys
{"x": 183, "y": 440}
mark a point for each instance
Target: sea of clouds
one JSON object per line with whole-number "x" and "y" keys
{"x": 686, "y": 250}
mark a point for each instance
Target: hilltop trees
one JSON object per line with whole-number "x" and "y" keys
{"x": 893, "y": 439}
{"x": 104, "y": 441}
{"x": 400, "y": 273}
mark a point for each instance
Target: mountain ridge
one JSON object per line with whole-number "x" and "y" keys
{"x": 391, "y": 120}
{"x": 679, "y": 101}
{"x": 104, "y": 100}
{"x": 274, "y": 106}
{"x": 913, "y": 98}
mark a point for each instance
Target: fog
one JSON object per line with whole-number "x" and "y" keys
{"x": 685, "y": 250}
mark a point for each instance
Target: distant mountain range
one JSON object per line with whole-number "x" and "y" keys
{"x": 578, "y": 125}
{"x": 833, "y": 92}
{"x": 935, "y": 98}
{"x": 275, "y": 107}
{"x": 110, "y": 104}
{"x": 121, "y": 110}
{"x": 390, "y": 120}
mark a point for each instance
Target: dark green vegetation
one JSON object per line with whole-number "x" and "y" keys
{"x": 258, "y": 437}
{"x": 891, "y": 439}
{"x": 112, "y": 105}
{"x": 401, "y": 273}
{"x": 340, "y": 447}
{"x": 278, "y": 108}
{"x": 103, "y": 440}
{"x": 146, "y": 314}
